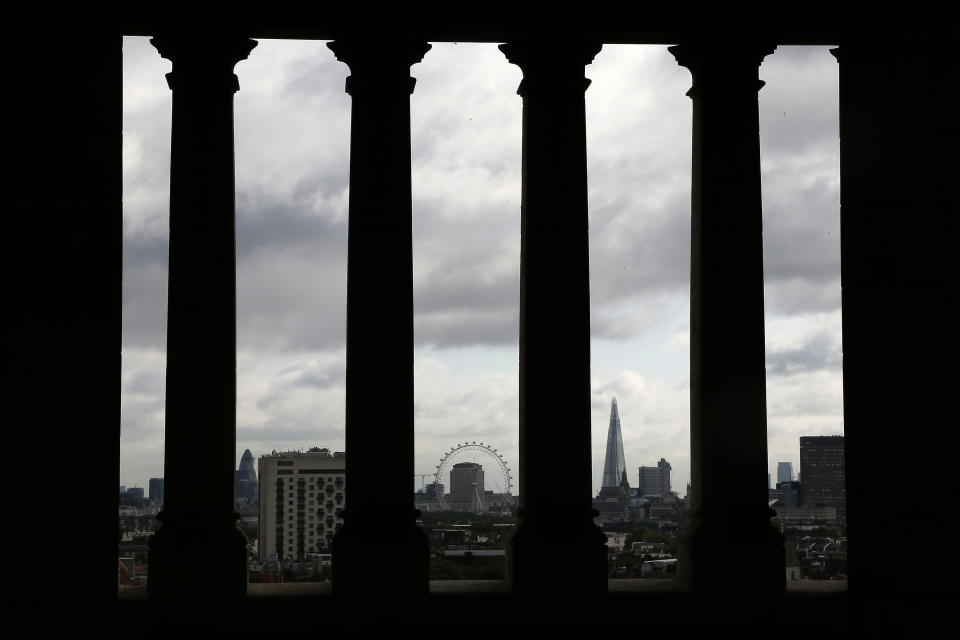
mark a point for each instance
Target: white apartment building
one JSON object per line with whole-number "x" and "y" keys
{"x": 302, "y": 496}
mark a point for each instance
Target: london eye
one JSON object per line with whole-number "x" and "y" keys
{"x": 500, "y": 482}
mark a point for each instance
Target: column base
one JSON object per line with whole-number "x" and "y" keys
{"x": 736, "y": 581}
{"x": 557, "y": 572}
{"x": 380, "y": 575}
{"x": 197, "y": 569}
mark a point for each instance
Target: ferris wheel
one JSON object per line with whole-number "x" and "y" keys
{"x": 501, "y": 483}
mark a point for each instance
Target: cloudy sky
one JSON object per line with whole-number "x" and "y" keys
{"x": 292, "y": 148}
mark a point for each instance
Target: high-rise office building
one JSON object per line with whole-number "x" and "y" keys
{"x": 156, "y": 490}
{"x": 466, "y": 487}
{"x": 784, "y": 472}
{"x": 788, "y": 493}
{"x": 302, "y": 496}
{"x": 822, "y": 472}
{"x": 246, "y": 478}
{"x": 655, "y": 481}
{"x": 614, "y": 464}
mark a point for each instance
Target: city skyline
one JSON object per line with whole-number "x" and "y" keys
{"x": 292, "y": 135}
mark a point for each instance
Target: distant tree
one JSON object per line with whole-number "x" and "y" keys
{"x": 634, "y": 536}
{"x": 644, "y": 534}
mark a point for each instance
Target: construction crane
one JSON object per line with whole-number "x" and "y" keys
{"x": 422, "y": 476}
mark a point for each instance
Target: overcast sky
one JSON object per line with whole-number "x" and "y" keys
{"x": 292, "y": 148}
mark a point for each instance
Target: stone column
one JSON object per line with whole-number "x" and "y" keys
{"x": 198, "y": 556}
{"x": 898, "y": 168}
{"x": 557, "y": 554}
{"x": 380, "y": 555}
{"x": 63, "y": 220}
{"x": 731, "y": 549}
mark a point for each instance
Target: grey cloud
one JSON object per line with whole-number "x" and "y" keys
{"x": 147, "y": 382}
{"x": 276, "y": 435}
{"x": 811, "y": 404}
{"x": 291, "y": 279}
{"x": 316, "y": 376}
{"x": 467, "y": 328}
{"x": 796, "y": 296}
{"x": 274, "y": 226}
{"x": 464, "y": 290}
{"x": 144, "y": 315}
{"x": 292, "y": 245}
{"x": 279, "y": 312}
{"x": 802, "y": 239}
{"x": 316, "y": 78}
{"x": 145, "y": 251}
{"x": 636, "y": 251}
{"x": 799, "y": 105}
{"x": 141, "y": 398}
{"x": 819, "y": 351}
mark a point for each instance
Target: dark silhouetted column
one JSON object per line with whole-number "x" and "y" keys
{"x": 898, "y": 172}
{"x": 198, "y": 556}
{"x": 731, "y": 549}
{"x": 557, "y": 554}
{"x": 62, "y": 301}
{"x": 380, "y": 555}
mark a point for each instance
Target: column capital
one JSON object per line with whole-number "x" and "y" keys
{"x": 388, "y": 61}
{"x": 533, "y": 55}
{"x": 203, "y": 61}
{"x": 698, "y": 56}
{"x": 357, "y": 53}
{"x": 552, "y": 62}
{"x": 709, "y": 62}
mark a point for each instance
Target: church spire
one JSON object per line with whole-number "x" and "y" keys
{"x": 614, "y": 466}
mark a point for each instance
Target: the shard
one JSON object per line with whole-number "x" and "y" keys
{"x": 614, "y": 465}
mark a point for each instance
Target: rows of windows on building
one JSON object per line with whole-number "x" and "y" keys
{"x": 818, "y": 492}
{"x": 134, "y": 498}
{"x": 302, "y": 495}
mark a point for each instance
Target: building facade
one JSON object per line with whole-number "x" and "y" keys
{"x": 466, "y": 487}
{"x": 302, "y": 497}
{"x": 655, "y": 481}
{"x": 823, "y": 473}
{"x": 784, "y": 472}
{"x": 788, "y": 494}
{"x": 156, "y": 490}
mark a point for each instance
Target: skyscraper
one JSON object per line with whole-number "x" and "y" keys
{"x": 466, "y": 487}
{"x": 246, "y": 478}
{"x": 655, "y": 481}
{"x": 614, "y": 465}
{"x": 784, "y": 472}
{"x": 156, "y": 490}
{"x": 823, "y": 473}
